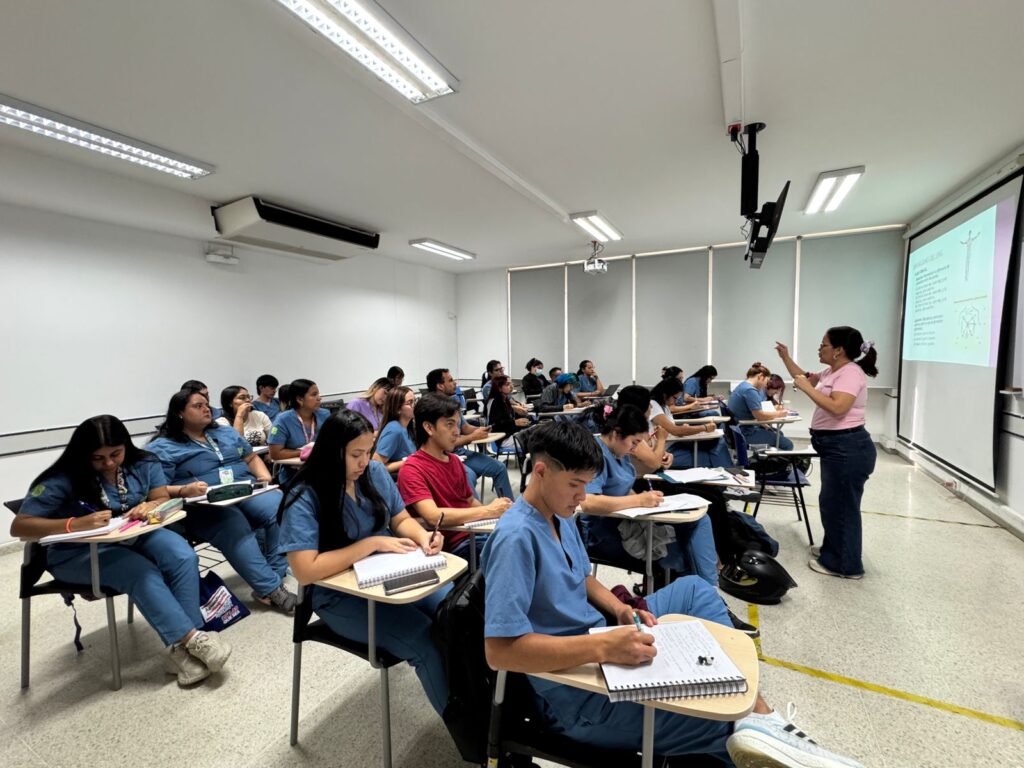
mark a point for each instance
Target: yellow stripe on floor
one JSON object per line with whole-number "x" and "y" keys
{"x": 943, "y": 706}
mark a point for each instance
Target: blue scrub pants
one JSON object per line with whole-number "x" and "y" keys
{"x": 847, "y": 460}
{"x": 592, "y": 719}
{"x": 402, "y": 631}
{"x": 159, "y": 571}
{"x": 757, "y": 435}
{"x": 692, "y": 552}
{"x": 261, "y": 512}
{"x": 229, "y": 530}
{"x": 481, "y": 464}
{"x": 714, "y": 455}
{"x": 462, "y": 550}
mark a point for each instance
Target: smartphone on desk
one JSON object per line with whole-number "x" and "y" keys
{"x": 412, "y": 581}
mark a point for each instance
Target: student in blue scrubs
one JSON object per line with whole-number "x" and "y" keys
{"x": 696, "y": 385}
{"x": 397, "y": 438}
{"x": 745, "y": 404}
{"x": 101, "y": 474}
{"x": 710, "y": 453}
{"x": 342, "y": 507}
{"x": 622, "y": 429}
{"x": 196, "y": 453}
{"x": 588, "y": 382}
{"x": 197, "y": 386}
{"x": 266, "y": 388}
{"x": 541, "y": 600}
{"x": 297, "y": 427}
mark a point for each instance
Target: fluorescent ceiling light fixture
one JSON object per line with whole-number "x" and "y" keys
{"x": 369, "y": 35}
{"x": 43, "y": 122}
{"x": 831, "y": 189}
{"x": 595, "y": 225}
{"x": 441, "y": 249}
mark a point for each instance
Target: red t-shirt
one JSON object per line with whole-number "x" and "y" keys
{"x": 424, "y": 477}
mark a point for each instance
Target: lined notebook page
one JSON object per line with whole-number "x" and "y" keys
{"x": 677, "y": 503}
{"x": 378, "y": 568}
{"x": 675, "y": 671}
{"x": 487, "y": 522}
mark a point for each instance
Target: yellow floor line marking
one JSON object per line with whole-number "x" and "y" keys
{"x": 943, "y": 706}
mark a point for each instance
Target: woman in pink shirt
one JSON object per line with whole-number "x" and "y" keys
{"x": 840, "y": 392}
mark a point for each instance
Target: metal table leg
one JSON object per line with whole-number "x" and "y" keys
{"x": 647, "y": 753}
{"x": 472, "y": 552}
{"x": 385, "y": 698}
{"x": 650, "y": 557}
{"x": 115, "y": 653}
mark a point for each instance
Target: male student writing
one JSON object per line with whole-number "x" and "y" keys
{"x": 541, "y": 599}
{"x": 433, "y": 481}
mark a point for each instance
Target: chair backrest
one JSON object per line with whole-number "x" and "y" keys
{"x": 334, "y": 405}
{"x": 33, "y": 564}
{"x": 303, "y": 613}
{"x": 742, "y": 459}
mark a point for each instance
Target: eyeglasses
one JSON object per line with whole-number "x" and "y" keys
{"x": 244, "y": 398}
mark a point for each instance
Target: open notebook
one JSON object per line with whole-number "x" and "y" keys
{"x": 678, "y": 503}
{"x": 675, "y": 672}
{"x": 376, "y": 569}
{"x": 57, "y": 538}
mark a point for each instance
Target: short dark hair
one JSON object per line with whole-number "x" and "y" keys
{"x": 635, "y": 395}
{"x": 430, "y": 409}
{"x": 568, "y": 443}
{"x": 671, "y": 371}
{"x": 394, "y": 372}
{"x": 532, "y": 363}
{"x": 434, "y": 378}
{"x": 194, "y": 385}
{"x": 267, "y": 380}
{"x": 665, "y": 389}
{"x": 551, "y": 373}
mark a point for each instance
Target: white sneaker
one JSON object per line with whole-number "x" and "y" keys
{"x": 815, "y": 551}
{"x": 208, "y": 648}
{"x": 771, "y": 741}
{"x": 189, "y": 671}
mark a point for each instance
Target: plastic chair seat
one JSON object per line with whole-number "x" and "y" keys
{"x": 318, "y": 632}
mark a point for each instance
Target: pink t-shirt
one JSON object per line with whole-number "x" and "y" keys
{"x": 850, "y": 379}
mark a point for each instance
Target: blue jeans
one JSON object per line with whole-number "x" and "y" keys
{"x": 261, "y": 512}
{"x": 229, "y": 530}
{"x": 692, "y": 552}
{"x": 402, "y": 631}
{"x": 462, "y": 550}
{"x": 482, "y": 464}
{"x": 847, "y": 460}
{"x": 758, "y": 435}
{"x": 710, "y": 453}
{"x": 592, "y": 719}
{"x": 159, "y": 571}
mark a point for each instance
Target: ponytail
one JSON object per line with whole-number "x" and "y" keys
{"x": 627, "y": 420}
{"x": 852, "y": 343}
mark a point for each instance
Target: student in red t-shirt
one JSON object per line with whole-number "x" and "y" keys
{"x": 433, "y": 479}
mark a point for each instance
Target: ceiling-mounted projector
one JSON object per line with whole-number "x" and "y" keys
{"x": 594, "y": 265}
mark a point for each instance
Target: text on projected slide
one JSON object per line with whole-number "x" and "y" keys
{"x": 949, "y": 296}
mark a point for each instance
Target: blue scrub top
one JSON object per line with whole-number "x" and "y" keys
{"x": 300, "y": 530}
{"x": 691, "y": 387}
{"x": 288, "y": 429}
{"x": 271, "y": 409}
{"x": 615, "y": 479}
{"x": 744, "y": 400}
{"x": 394, "y": 442}
{"x": 188, "y": 461}
{"x": 587, "y": 383}
{"x": 54, "y": 498}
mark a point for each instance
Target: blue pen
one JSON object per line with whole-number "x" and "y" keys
{"x": 87, "y": 507}
{"x": 636, "y": 621}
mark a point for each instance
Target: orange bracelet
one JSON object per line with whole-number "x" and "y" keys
{"x": 67, "y": 528}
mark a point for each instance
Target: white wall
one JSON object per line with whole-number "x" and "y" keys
{"x": 482, "y": 309}
{"x": 100, "y": 318}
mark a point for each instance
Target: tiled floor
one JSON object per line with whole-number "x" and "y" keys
{"x": 937, "y": 616}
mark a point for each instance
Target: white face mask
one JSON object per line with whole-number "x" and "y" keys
{"x": 537, "y": 371}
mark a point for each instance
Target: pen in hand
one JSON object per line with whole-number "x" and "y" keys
{"x": 636, "y": 622}
{"x": 437, "y": 527}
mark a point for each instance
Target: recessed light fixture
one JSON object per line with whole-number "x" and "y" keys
{"x": 369, "y": 35}
{"x": 831, "y": 189}
{"x": 28, "y": 117}
{"x": 441, "y": 249}
{"x": 595, "y": 225}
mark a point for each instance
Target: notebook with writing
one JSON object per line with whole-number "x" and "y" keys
{"x": 677, "y": 671}
{"x": 681, "y": 502}
{"x": 378, "y": 568}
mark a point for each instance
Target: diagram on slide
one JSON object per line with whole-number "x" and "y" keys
{"x": 971, "y": 237}
{"x": 970, "y": 322}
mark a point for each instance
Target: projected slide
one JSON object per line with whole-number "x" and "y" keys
{"x": 950, "y": 296}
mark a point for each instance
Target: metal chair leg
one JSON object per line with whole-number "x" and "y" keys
{"x": 115, "y": 654}
{"x": 131, "y": 611}
{"x": 293, "y": 736}
{"x": 385, "y": 716}
{"x": 807, "y": 519}
{"x": 26, "y": 635}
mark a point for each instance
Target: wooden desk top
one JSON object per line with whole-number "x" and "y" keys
{"x": 201, "y": 500}
{"x": 489, "y": 439}
{"x": 471, "y": 528}
{"x": 259, "y": 450}
{"x": 346, "y": 582}
{"x": 678, "y": 516}
{"x": 703, "y": 420}
{"x": 295, "y": 461}
{"x": 552, "y": 414}
{"x": 737, "y": 645}
{"x": 747, "y": 481}
{"x": 695, "y": 438}
{"x": 762, "y": 422}
{"x": 131, "y": 533}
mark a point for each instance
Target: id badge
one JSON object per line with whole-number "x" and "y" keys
{"x": 227, "y": 475}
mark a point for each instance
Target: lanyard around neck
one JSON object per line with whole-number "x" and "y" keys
{"x": 307, "y": 439}
{"x": 122, "y": 492}
{"x": 210, "y": 444}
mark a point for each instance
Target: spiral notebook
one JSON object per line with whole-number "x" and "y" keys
{"x": 487, "y": 522}
{"x": 676, "y": 671}
{"x": 376, "y": 569}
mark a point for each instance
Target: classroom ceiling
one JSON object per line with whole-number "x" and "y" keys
{"x": 563, "y": 106}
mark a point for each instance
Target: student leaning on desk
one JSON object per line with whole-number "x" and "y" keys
{"x": 745, "y": 404}
{"x": 102, "y": 473}
{"x": 342, "y": 507}
{"x": 197, "y": 453}
{"x": 541, "y": 600}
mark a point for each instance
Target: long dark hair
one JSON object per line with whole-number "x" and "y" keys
{"x": 393, "y": 410}
{"x": 627, "y": 420}
{"x": 851, "y": 341}
{"x": 671, "y": 372}
{"x": 704, "y": 374}
{"x": 173, "y": 427}
{"x": 583, "y": 364}
{"x": 324, "y": 474}
{"x": 491, "y": 365}
{"x": 497, "y": 383}
{"x": 76, "y": 460}
{"x": 227, "y": 401}
{"x": 297, "y": 389}
{"x": 666, "y": 389}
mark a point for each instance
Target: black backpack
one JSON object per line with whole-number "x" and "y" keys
{"x": 459, "y": 635}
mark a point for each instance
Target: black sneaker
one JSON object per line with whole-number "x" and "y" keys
{"x": 748, "y": 629}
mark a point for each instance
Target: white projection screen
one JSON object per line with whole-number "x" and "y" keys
{"x": 953, "y": 312}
